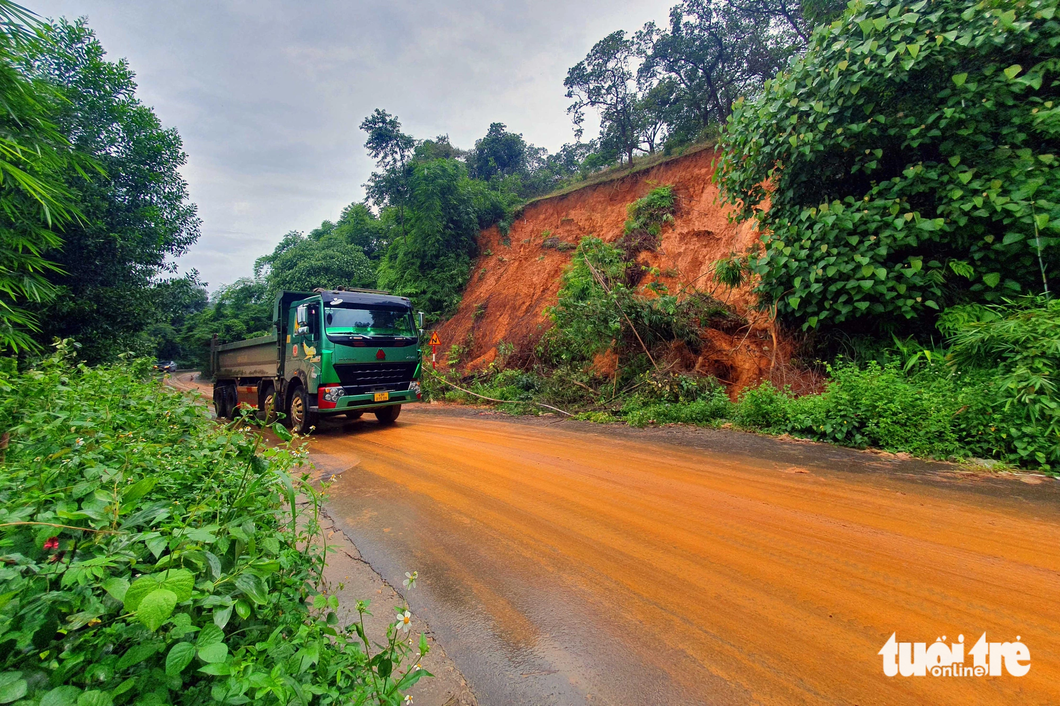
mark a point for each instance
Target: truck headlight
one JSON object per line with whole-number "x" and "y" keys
{"x": 414, "y": 387}
{"x": 332, "y": 394}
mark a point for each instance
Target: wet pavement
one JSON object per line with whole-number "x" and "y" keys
{"x": 568, "y": 563}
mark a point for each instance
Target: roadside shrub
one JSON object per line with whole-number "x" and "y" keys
{"x": 701, "y": 412}
{"x": 1021, "y": 342}
{"x": 763, "y": 408}
{"x": 151, "y": 556}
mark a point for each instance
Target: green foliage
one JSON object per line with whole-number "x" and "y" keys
{"x": 302, "y": 264}
{"x": 240, "y": 310}
{"x": 446, "y": 211}
{"x": 650, "y": 212}
{"x": 910, "y": 159}
{"x": 1021, "y": 342}
{"x": 604, "y": 81}
{"x": 35, "y": 161}
{"x": 588, "y": 316}
{"x": 499, "y": 154}
{"x": 136, "y": 212}
{"x": 151, "y": 556}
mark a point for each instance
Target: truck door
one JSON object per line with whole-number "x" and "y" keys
{"x": 304, "y": 350}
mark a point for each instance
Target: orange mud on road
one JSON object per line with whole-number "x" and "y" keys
{"x": 568, "y": 563}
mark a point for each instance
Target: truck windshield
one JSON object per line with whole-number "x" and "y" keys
{"x": 369, "y": 322}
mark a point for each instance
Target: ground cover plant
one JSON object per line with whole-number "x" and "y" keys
{"x": 150, "y": 555}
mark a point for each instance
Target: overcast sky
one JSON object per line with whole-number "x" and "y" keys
{"x": 268, "y": 94}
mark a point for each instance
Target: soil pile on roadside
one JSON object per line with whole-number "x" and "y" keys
{"x": 517, "y": 276}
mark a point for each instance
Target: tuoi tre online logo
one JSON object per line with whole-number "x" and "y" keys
{"x": 918, "y": 659}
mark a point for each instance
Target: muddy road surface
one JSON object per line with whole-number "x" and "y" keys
{"x": 566, "y": 563}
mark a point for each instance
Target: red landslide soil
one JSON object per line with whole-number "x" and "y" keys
{"x": 514, "y": 279}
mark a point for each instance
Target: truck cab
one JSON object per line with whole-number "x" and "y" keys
{"x": 334, "y": 352}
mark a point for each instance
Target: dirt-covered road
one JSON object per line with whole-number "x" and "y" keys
{"x": 569, "y": 563}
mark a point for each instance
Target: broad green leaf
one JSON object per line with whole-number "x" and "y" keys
{"x": 210, "y": 635}
{"x": 156, "y": 607}
{"x": 253, "y": 587}
{"x": 179, "y": 658}
{"x": 116, "y": 587}
{"x": 12, "y": 687}
{"x": 180, "y": 582}
{"x": 138, "y": 489}
{"x": 242, "y": 609}
{"x": 136, "y": 592}
{"x": 1012, "y": 71}
{"x": 61, "y": 696}
{"x": 992, "y": 279}
{"x": 219, "y": 669}
{"x": 281, "y": 431}
{"x": 201, "y": 535}
{"x": 221, "y": 616}
{"x": 1012, "y": 238}
{"x": 95, "y": 698}
{"x": 137, "y": 654}
{"x": 213, "y": 653}
{"x": 959, "y": 79}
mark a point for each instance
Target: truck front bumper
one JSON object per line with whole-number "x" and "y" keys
{"x": 350, "y": 403}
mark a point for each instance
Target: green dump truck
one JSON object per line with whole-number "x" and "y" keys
{"x": 333, "y": 352}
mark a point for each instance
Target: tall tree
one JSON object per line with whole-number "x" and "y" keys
{"x": 303, "y": 264}
{"x": 391, "y": 149}
{"x": 499, "y": 153}
{"x": 35, "y": 158}
{"x": 604, "y": 80}
{"x": 137, "y": 215}
{"x": 714, "y": 52}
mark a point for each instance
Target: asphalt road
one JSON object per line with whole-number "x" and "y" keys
{"x": 567, "y": 563}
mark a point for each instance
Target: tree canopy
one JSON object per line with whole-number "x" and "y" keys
{"x": 136, "y": 212}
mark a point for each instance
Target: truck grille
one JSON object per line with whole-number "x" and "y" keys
{"x": 359, "y": 379}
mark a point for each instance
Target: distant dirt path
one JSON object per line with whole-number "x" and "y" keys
{"x": 567, "y": 563}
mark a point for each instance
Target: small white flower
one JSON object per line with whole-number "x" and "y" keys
{"x": 410, "y": 579}
{"x": 404, "y": 621}
{"x": 408, "y": 698}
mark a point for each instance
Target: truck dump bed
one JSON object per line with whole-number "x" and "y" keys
{"x": 255, "y": 357}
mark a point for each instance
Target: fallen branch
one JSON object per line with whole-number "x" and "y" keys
{"x": 492, "y": 399}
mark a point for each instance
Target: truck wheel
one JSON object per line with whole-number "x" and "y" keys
{"x": 301, "y": 419}
{"x": 268, "y": 406}
{"x": 219, "y": 403}
{"x": 387, "y": 415}
{"x": 225, "y": 401}
{"x": 355, "y": 415}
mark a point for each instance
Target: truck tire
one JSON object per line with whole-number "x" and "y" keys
{"x": 355, "y": 415}
{"x": 387, "y": 415}
{"x": 224, "y": 401}
{"x": 298, "y": 414}
{"x": 268, "y": 411}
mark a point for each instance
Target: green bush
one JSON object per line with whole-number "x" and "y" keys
{"x": 1020, "y": 342}
{"x": 151, "y": 556}
{"x": 909, "y": 161}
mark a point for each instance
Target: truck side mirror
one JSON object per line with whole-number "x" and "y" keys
{"x": 301, "y": 320}
{"x": 419, "y": 320}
